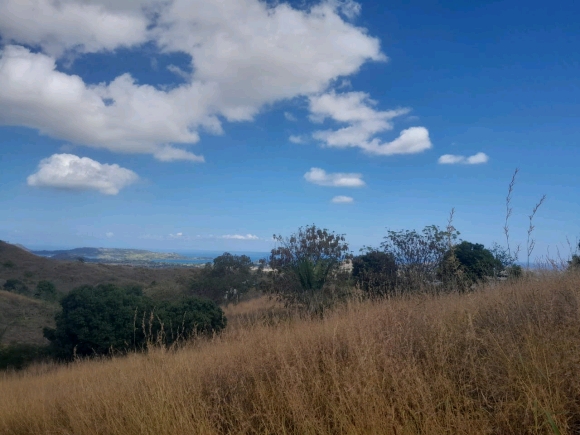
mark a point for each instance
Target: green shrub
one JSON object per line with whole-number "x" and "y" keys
{"x": 375, "y": 272}
{"x": 46, "y": 290}
{"x": 105, "y": 319}
{"x": 187, "y": 317}
{"x": 18, "y": 356}
{"x": 307, "y": 270}
{"x": 15, "y": 286}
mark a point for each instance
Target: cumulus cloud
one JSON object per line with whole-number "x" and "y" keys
{"x": 451, "y": 159}
{"x": 338, "y": 179}
{"x": 245, "y": 54}
{"x": 341, "y": 199}
{"x": 58, "y": 26}
{"x": 240, "y": 237}
{"x": 363, "y": 123}
{"x": 67, "y": 171}
{"x": 141, "y": 119}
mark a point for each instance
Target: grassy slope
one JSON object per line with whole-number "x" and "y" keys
{"x": 22, "y": 318}
{"x": 25, "y": 316}
{"x": 498, "y": 361}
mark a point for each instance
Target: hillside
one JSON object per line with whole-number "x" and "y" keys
{"x": 501, "y": 360}
{"x": 108, "y": 255}
{"x": 16, "y": 263}
{"x": 23, "y": 317}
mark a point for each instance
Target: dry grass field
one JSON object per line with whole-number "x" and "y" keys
{"x": 502, "y": 360}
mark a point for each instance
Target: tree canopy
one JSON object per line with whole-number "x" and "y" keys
{"x": 99, "y": 320}
{"x": 305, "y": 265}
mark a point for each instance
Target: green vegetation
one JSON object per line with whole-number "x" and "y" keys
{"x": 476, "y": 261}
{"x": 375, "y": 272}
{"x": 106, "y": 319}
{"x": 46, "y": 290}
{"x": 227, "y": 279}
{"x": 306, "y": 268}
{"x": 16, "y": 286}
{"x": 20, "y": 355}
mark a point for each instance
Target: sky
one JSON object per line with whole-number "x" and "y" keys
{"x": 188, "y": 124}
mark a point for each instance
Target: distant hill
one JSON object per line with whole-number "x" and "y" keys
{"x": 22, "y": 317}
{"x": 108, "y": 255}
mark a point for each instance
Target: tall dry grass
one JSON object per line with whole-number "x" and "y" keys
{"x": 502, "y": 360}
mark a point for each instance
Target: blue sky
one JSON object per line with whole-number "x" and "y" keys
{"x": 212, "y": 126}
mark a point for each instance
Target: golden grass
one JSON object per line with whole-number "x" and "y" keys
{"x": 499, "y": 361}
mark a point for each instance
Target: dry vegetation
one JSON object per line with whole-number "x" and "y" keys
{"x": 503, "y": 360}
{"x": 67, "y": 275}
{"x": 22, "y": 318}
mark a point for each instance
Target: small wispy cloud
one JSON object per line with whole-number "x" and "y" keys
{"x": 176, "y": 236}
{"x": 179, "y": 72}
{"x": 240, "y": 237}
{"x": 290, "y": 117}
{"x": 341, "y": 199}
{"x": 109, "y": 235}
{"x": 338, "y": 179}
{"x": 296, "y": 139}
{"x": 452, "y": 159}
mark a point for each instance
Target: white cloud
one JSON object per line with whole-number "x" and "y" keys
{"x": 142, "y": 119}
{"x": 179, "y": 72}
{"x": 109, "y": 234}
{"x": 240, "y": 237}
{"x": 245, "y": 54}
{"x": 451, "y": 159}
{"x": 58, "y": 26}
{"x": 176, "y": 236}
{"x": 341, "y": 199}
{"x": 322, "y": 178}
{"x": 477, "y": 159}
{"x": 67, "y": 171}
{"x": 364, "y": 122}
{"x": 290, "y": 117}
{"x": 296, "y": 139}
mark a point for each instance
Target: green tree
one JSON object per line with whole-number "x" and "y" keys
{"x": 477, "y": 262}
{"x": 97, "y": 320}
{"x": 103, "y": 319}
{"x": 307, "y": 268}
{"x": 178, "y": 320}
{"x": 15, "y": 286}
{"x": 508, "y": 267}
{"x": 419, "y": 256}
{"x": 226, "y": 279}
{"x": 46, "y": 290}
{"x": 375, "y": 272}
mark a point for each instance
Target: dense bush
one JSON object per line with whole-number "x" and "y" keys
{"x": 18, "y": 356}
{"x": 46, "y": 290}
{"x": 228, "y": 278}
{"x": 104, "y": 319}
{"x": 16, "y": 286}
{"x": 476, "y": 261}
{"x": 183, "y": 318}
{"x": 375, "y": 272}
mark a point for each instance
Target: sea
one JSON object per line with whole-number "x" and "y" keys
{"x": 202, "y": 257}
